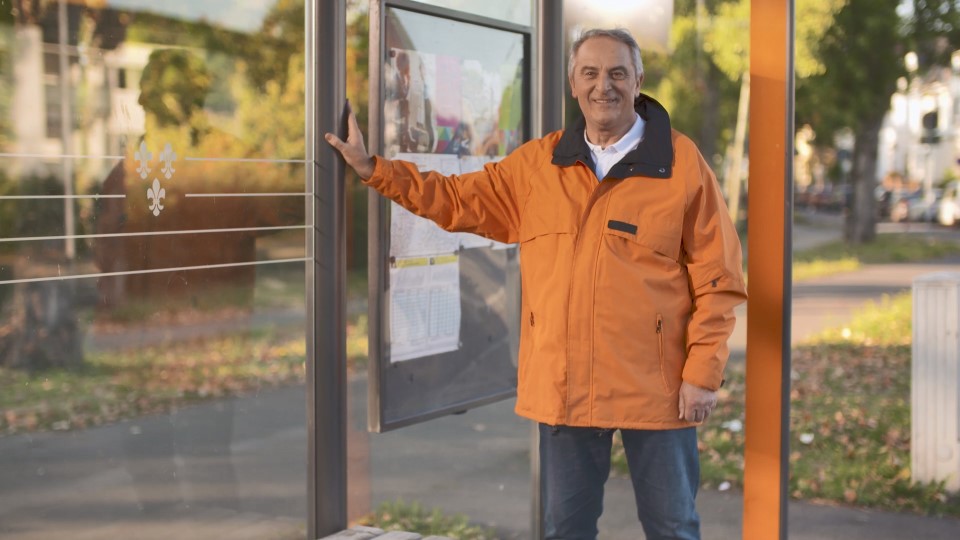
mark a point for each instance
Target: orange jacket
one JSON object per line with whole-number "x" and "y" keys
{"x": 629, "y": 284}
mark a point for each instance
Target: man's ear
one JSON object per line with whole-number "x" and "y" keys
{"x": 573, "y": 91}
{"x": 639, "y": 84}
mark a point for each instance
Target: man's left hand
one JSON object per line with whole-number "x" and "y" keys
{"x": 696, "y": 403}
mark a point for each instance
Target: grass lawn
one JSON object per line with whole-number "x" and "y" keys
{"x": 838, "y": 257}
{"x": 116, "y": 385}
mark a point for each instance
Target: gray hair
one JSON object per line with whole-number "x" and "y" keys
{"x": 619, "y": 34}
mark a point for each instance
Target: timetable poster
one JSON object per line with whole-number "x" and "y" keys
{"x": 425, "y": 272}
{"x": 424, "y": 306}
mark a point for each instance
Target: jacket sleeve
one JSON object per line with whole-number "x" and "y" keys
{"x": 485, "y": 202}
{"x": 714, "y": 264}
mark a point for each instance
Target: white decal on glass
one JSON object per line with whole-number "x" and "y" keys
{"x": 143, "y": 156}
{"x": 154, "y": 195}
{"x": 167, "y": 157}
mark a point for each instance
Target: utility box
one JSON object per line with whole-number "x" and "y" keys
{"x": 935, "y": 441}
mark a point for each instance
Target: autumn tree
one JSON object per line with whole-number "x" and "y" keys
{"x": 862, "y": 57}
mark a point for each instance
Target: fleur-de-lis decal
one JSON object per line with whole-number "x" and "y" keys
{"x": 167, "y": 157}
{"x": 143, "y": 156}
{"x": 154, "y": 195}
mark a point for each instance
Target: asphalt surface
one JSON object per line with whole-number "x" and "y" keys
{"x": 236, "y": 468}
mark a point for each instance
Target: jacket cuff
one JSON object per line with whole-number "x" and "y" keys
{"x": 379, "y": 163}
{"x": 702, "y": 376}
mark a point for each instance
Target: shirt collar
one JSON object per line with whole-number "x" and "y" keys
{"x": 628, "y": 142}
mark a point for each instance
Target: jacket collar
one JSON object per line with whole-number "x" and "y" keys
{"x": 653, "y": 158}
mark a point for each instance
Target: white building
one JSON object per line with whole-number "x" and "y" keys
{"x": 923, "y": 157}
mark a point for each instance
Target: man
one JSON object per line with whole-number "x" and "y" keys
{"x": 631, "y": 270}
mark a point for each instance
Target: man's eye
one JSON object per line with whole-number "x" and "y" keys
{"x": 619, "y": 75}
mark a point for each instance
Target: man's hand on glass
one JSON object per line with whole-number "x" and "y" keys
{"x": 353, "y": 150}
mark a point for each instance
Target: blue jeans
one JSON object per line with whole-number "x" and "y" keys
{"x": 664, "y": 468}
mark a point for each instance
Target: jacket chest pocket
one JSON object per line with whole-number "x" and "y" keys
{"x": 649, "y": 218}
{"x": 548, "y": 219}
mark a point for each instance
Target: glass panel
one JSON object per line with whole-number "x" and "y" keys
{"x": 519, "y": 12}
{"x": 874, "y": 414}
{"x": 475, "y": 464}
{"x": 152, "y": 269}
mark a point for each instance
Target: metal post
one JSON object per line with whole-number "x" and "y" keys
{"x": 766, "y": 452}
{"x": 551, "y": 82}
{"x": 550, "y": 89}
{"x": 326, "y": 285}
{"x": 66, "y": 132}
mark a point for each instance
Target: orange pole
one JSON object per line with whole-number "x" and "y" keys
{"x": 766, "y": 452}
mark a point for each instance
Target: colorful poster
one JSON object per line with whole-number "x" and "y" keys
{"x": 442, "y": 104}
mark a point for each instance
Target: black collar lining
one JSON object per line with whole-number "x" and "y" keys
{"x": 653, "y": 157}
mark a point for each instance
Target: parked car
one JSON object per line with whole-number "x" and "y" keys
{"x": 888, "y": 204}
{"x": 948, "y": 213}
{"x": 915, "y": 206}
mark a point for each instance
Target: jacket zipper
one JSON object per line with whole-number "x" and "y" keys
{"x": 591, "y": 201}
{"x": 663, "y": 375}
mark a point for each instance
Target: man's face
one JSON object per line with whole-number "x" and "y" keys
{"x": 605, "y": 83}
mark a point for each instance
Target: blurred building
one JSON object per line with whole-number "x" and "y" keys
{"x": 920, "y": 137}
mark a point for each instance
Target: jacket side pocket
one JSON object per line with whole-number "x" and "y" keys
{"x": 663, "y": 368}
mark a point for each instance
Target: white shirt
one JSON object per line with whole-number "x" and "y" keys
{"x": 604, "y": 159}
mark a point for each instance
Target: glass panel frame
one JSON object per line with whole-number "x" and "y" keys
{"x": 397, "y": 392}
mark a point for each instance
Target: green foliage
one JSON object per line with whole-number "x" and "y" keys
{"x": 813, "y": 19}
{"x": 270, "y": 84}
{"x": 280, "y": 39}
{"x": 272, "y": 119}
{"x": 412, "y": 517}
{"x": 885, "y": 323}
{"x": 932, "y": 30}
{"x": 861, "y": 61}
{"x": 702, "y": 101}
{"x": 174, "y": 86}
{"x": 147, "y": 27}
{"x": 728, "y": 38}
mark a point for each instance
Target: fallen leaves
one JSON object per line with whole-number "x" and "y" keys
{"x": 118, "y": 385}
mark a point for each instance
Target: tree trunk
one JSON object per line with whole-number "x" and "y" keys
{"x": 734, "y": 176}
{"x": 710, "y": 125}
{"x": 861, "y": 221}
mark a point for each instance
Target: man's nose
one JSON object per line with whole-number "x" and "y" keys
{"x": 606, "y": 82}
